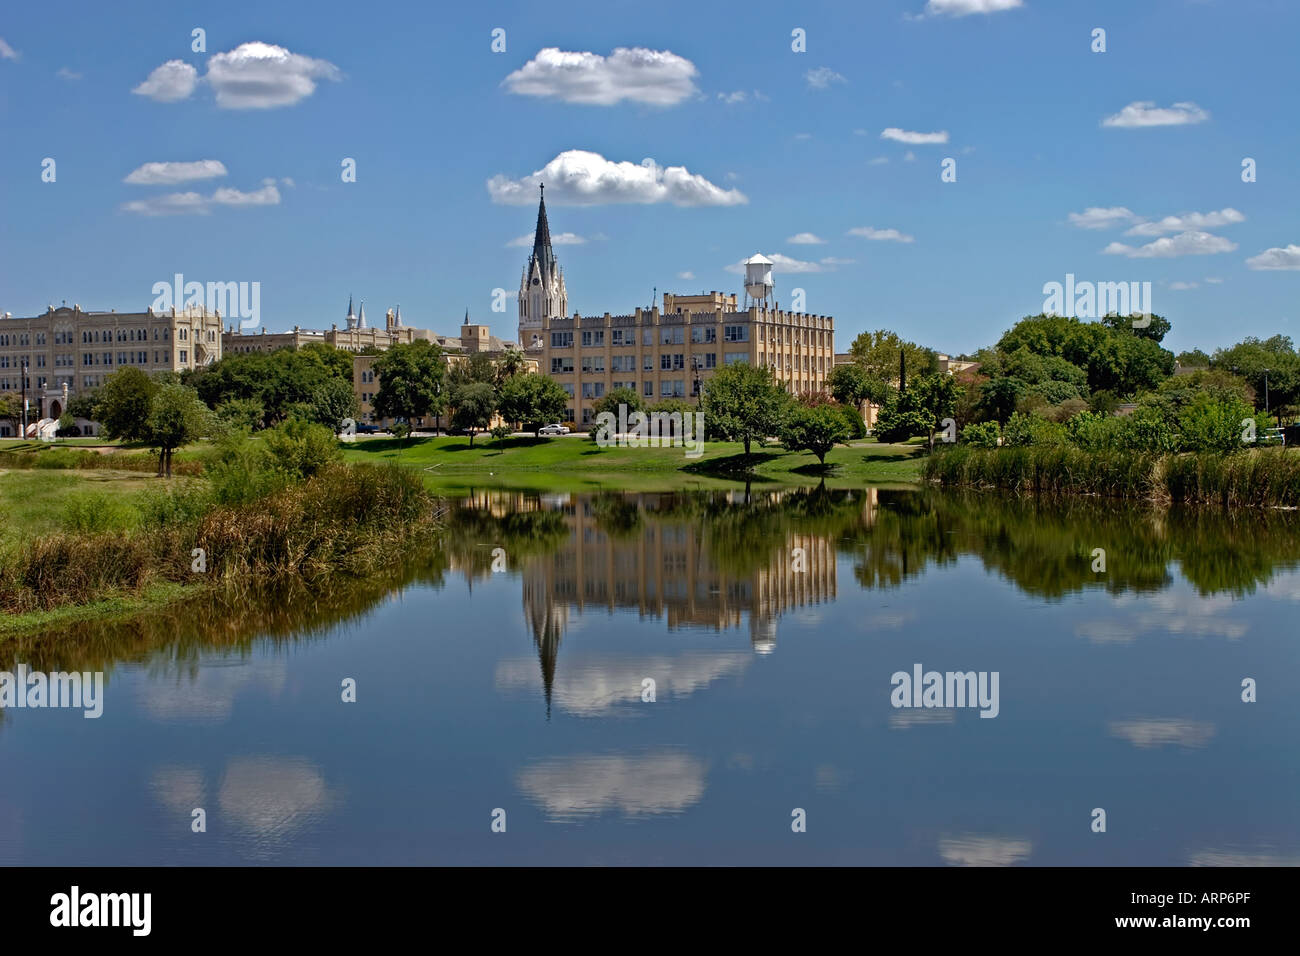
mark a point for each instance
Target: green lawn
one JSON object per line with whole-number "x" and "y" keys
{"x": 39, "y": 501}
{"x": 576, "y": 464}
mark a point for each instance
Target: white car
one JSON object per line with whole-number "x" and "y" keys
{"x": 553, "y": 429}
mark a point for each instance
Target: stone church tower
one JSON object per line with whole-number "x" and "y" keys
{"x": 541, "y": 292}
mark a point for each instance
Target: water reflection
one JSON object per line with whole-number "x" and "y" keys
{"x": 506, "y": 666}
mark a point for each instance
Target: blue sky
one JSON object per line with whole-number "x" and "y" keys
{"x": 432, "y": 116}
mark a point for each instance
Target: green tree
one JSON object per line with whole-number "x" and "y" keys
{"x": 616, "y": 397}
{"x": 852, "y": 385}
{"x": 83, "y": 405}
{"x": 177, "y": 416}
{"x": 11, "y": 410}
{"x": 411, "y": 382}
{"x": 744, "y": 403}
{"x": 817, "y": 429}
{"x": 246, "y": 414}
{"x": 998, "y": 397}
{"x": 935, "y": 398}
{"x": 531, "y": 399}
{"x": 472, "y": 406}
{"x": 125, "y": 404}
{"x": 511, "y": 364}
{"x": 877, "y": 354}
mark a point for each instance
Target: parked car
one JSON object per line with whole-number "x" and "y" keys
{"x": 367, "y": 429}
{"x": 554, "y": 428}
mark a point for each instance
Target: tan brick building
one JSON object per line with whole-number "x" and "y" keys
{"x": 67, "y": 351}
{"x": 661, "y": 353}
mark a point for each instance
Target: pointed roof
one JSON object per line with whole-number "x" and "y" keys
{"x": 543, "y": 254}
{"x": 361, "y": 317}
{"x": 350, "y": 312}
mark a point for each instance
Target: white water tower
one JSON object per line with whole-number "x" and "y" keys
{"x": 758, "y": 278}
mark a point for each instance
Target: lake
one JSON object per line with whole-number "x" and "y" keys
{"x": 701, "y": 678}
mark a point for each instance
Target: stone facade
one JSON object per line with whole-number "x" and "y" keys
{"x": 68, "y": 351}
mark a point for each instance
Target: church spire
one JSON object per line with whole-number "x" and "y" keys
{"x": 542, "y": 251}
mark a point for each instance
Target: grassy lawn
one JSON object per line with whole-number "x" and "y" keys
{"x": 40, "y": 501}
{"x": 576, "y": 464}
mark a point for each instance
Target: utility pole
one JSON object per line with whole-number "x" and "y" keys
{"x": 23, "y": 433}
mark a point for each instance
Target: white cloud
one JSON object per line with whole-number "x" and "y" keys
{"x": 578, "y": 177}
{"x": 258, "y": 76}
{"x": 568, "y": 787}
{"x": 64, "y": 73}
{"x": 169, "y": 174}
{"x": 558, "y": 239}
{"x": 885, "y": 235}
{"x": 822, "y": 77}
{"x": 266, "y": 196}
{"x": 1099, "y": 217}
{"x": 1213, "y": 280}
{"x": 1150, "y": 732}
{"x": 909, "y": 156}
{"x": 172, "y": 204}
{"x": 832, "y": 262}
{"x": 859, "y": 132}
{"x": 654, "y": 77}
{"x": 963, "y": 8}
{"x": 1182, "y": 286}
{"x": 195, "y": 204}
{"x": 173, "y": 81}
{"x": 805, "y": 239}
{"x": 1144, "y": 113}
{"x": 739, "y": 96}
{"x": 972, "y": 849}
{"x": 914, "y": 138}
{"x": 1170, "y": 247}
{"x": 1188, "y": 220}
{"x": 878, "y": 161}
{"x": 6, "y": 51}
{"x": 1275, "y": 258}
{"x": 781, "y": 263}
{"x": 686, "y": 275}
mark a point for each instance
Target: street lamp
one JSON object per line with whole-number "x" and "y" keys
{"x": 23, "y": 434}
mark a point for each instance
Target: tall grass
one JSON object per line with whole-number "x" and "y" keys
{"x": 349, "y": 518}
{"x": 1268, "y": 477}
{"x": 60, "y": 459}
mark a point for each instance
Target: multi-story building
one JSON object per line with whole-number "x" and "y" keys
{"x": 66, "y": 350}
{"x": 661, "y": 354}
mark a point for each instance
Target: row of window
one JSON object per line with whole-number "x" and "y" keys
{"x": 668, "y": 335}
{"x": 8, "y": 339}
{"x": 668, "y": 362}
{"x": 98, "y": 336}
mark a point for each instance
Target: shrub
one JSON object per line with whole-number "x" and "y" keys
{"x": 1023, "y": 430}
{"x": 91, "y": 512}
{"x": 981, "y": 434}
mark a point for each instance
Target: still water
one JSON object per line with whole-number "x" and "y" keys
{"x": 504, "y": 675}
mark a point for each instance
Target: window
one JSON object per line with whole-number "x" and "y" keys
{"x": 731, "y": 358}
{"x": 665, "y": 362}
{"x": 622, "y": 363}
{"x": 672, "y": 335}
{"x": 568, "y": 389}
{"x": 648, "y": 365}
{"x": 593, "y": 389}
{"x": 735, "y": 333}
{"x": 561, "y": 340}
{"x": 593, "y": 363}
{"x": 674, "y": 389}
{"x": 562, "y": 366}
{"x": 648, "y": 390}
{"x": 704, "y": 334}
{"x": 593, "y": 338}
{"x": 648, "y": 337}
{"x": 616, "y": 338}
{"x": 710, "y": 359}
{"x": 184, "y": 356}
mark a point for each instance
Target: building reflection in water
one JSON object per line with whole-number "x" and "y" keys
{"x": 737, "y": 561}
